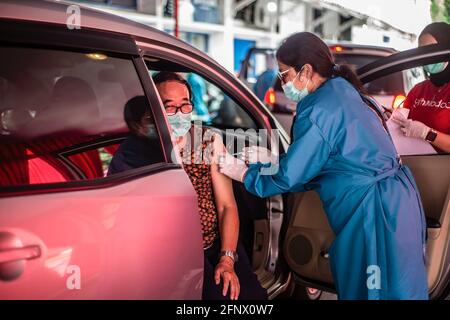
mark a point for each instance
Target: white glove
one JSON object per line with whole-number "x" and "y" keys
{"x": 232, "y": 167}
{"x": 411, "y": 128}
{"x": 256, "y": 154}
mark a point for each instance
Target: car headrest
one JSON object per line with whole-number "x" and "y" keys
{"x": 72, "y": 91}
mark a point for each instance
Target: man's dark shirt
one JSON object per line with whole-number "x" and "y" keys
{"x": 135, "y": 152}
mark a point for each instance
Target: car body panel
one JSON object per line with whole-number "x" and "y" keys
{"x": 60, "y": 12}
{"x": 130, "y": 241}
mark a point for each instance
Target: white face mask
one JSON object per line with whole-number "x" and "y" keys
{"x": 180, "y": 123}
{"x": 292, "y": 92}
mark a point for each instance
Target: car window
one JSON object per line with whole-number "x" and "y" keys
{"x": 62, "y": 114}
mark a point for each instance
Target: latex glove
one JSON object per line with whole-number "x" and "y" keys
{"x": 232, "y": 167}
{"x": 255, "y": 154}
{"x": 411, "y": 128}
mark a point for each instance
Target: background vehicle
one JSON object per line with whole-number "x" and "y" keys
{"x": 390, "y": 91}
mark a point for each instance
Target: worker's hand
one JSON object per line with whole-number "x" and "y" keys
{"x": 232, "y": 167}
{"x": 256, "y": 154}
{"x": 411, "y": 128}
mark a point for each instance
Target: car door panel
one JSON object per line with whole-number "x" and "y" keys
{"x": 432, "y": 176}
{"x": 308, "y": 238}
{"x": 136, "y": 240}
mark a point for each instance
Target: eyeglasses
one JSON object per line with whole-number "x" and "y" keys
{"x": 282, "y": 75}
{"x": 184, "y": 108}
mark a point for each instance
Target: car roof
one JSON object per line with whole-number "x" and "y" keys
{"x": 56, "y": 12}
{"x": 349, "y": 48}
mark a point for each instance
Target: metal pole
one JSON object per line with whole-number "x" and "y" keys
{"x": 175, "y": 13}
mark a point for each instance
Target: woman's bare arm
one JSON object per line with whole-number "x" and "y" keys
{"x": 226, "y": 209}
{"x": 224, "y": 199}
{"x": 442, "y": 141}
{"x": 228, "y": 224}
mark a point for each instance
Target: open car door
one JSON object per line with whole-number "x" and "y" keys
{"x": 309, "y": 235}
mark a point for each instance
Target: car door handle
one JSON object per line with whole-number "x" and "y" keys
{"x": 15, "y": 254}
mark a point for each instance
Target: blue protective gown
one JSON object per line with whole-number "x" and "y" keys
{"x": 341, "y": 150}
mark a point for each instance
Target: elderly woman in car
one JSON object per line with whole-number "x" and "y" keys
{"x": 227, "y": 270}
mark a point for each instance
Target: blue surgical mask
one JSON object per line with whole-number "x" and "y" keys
{"x": 180, "y": 123}
{"x": 293, "y": 93}
{"x": 435, "y": 67}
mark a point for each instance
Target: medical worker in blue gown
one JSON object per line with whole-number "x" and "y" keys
{"x": 341, "y": 149}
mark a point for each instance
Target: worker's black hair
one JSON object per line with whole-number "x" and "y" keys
{"x": 305, "y": 47}
{"x": 441, "y": 32}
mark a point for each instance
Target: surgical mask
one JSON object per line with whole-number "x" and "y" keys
{"x": 180, "y": 123}
{"x": 293, "y": 93}
{"x": 151, "y": 131}
{"x": 435, "y": 67}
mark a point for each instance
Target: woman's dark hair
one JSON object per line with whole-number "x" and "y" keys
{"x": 305, "y": 47}
{"x": 164, "y": 76}
{"x": 441, "y": 32}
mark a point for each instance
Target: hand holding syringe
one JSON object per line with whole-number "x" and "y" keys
{"x": 254, "y": 154}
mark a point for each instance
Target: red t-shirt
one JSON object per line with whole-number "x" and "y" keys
{"x": 430, "y": 105}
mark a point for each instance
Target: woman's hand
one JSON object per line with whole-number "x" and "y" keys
{"x": 411, "y": 128}
{"x": 225, "y": 270}
{"x": 232, "y": 167}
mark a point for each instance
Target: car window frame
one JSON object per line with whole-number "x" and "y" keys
{"x": 198, "y": 66}
{"x": 58, "y": 37}
{"x": 403, "y": 60}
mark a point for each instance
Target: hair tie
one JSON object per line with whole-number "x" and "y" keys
{"x": 336, "y": 68}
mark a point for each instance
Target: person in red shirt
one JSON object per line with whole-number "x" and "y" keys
{"x": 429, "y": 101}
